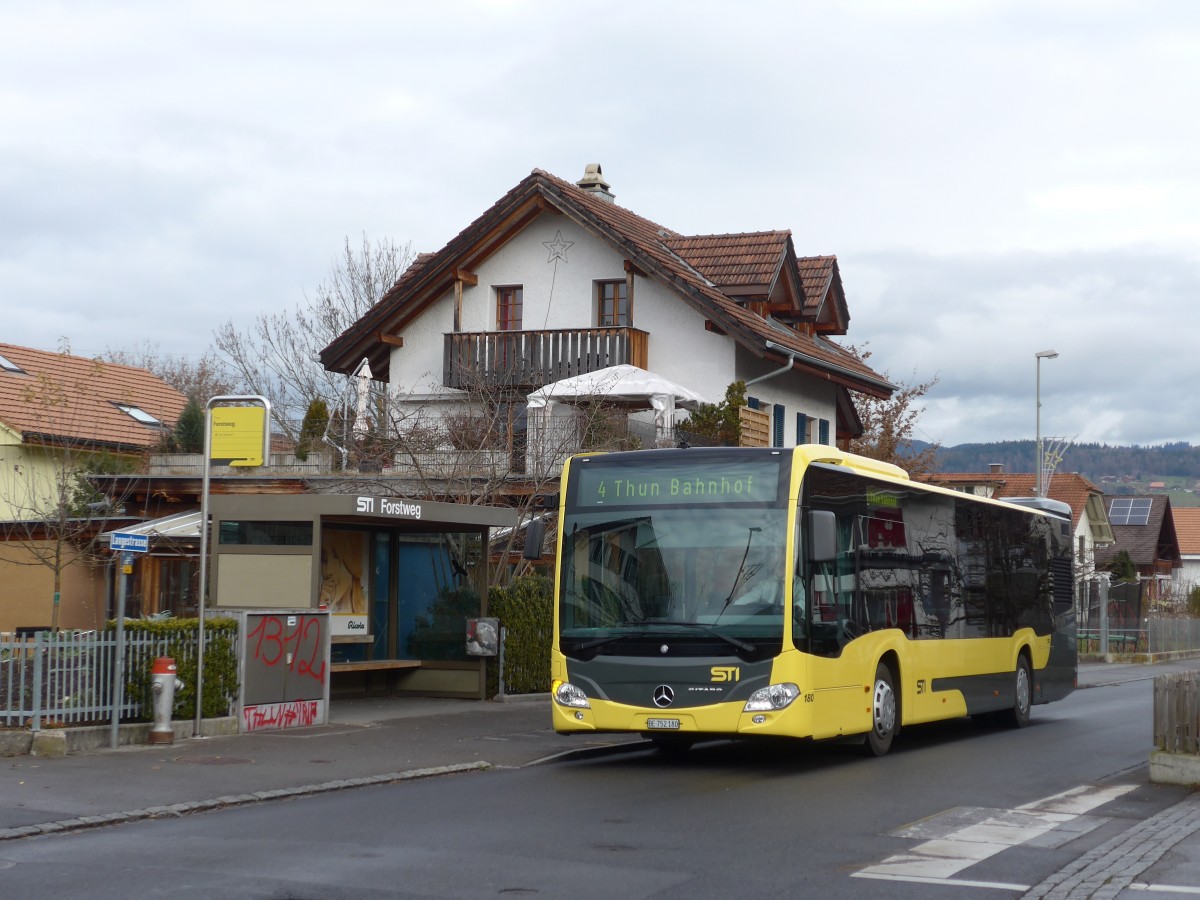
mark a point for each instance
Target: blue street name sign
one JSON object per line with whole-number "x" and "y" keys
{"x": 130, "y": 543}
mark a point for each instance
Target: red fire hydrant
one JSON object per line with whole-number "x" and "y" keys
{"x": 164, "y": 684}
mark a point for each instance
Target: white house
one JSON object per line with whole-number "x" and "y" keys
{"x": 556, "y": 280}
{"x": 1187, "y": 529}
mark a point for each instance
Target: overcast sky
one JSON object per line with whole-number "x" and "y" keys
{"x": 995, "y": 178}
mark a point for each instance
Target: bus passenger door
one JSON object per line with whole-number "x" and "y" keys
{"x": 834, "y": 669}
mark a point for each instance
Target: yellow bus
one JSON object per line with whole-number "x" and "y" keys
{"x": 800, "y": 592}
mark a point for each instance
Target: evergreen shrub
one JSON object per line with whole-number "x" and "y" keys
{"x": 220, "y": 664}
{"x": 525, "y": 609}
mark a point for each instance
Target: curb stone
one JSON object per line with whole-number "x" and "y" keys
{"x": 180, "y": 809}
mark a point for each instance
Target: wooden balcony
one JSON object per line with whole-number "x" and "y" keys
{"x": 526, "y": 360}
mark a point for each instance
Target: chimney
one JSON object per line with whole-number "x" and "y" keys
{"x": 593, "y": 182}
{"x": 996, "y": 468}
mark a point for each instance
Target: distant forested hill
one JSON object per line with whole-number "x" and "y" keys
{"x": 1093, "y": 461}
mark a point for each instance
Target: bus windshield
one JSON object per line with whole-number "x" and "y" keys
{"x": 705, "y": 568}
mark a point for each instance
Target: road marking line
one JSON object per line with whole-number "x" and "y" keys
{"x": 952, "y": 882}
{"x": 1079, "y": 800}
{"x": 982, "y": 833}
{"x": 918, "y": 865}
{"x": 1164, "y": 888}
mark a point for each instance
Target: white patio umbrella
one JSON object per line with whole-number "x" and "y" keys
{"x": 625, "y": 384}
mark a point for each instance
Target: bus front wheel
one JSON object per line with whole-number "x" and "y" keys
{"x": 885, "y": 713}
{"x": 1018, "y": 716}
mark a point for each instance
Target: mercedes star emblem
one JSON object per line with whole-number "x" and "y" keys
{"x": 663, "y": 695}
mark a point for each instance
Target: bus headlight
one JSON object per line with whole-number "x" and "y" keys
{"x": 775, "y": 696}
{"x": 566, "y": 694}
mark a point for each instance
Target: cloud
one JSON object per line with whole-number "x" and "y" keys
{"x": 977, "y": 321}
{"x": 996, "y": 177}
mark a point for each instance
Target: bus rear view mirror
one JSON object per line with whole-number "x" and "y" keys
{"x": 535, "y": 535}
{"x": 822, "y": 535}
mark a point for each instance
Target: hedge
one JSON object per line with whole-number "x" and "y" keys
{"x": 525, "y": 609}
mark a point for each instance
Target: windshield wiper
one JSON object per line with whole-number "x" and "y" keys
{"x": 737, "y": 578}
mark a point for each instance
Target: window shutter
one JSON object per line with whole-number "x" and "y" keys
{"x": 777, "y": 425}
{"x": 753, "y": 402}
{"x": 823, "y": 427}
{"x": 801, "y": 428}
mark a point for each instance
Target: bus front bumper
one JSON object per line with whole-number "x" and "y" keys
{"x": 718, "y": 719}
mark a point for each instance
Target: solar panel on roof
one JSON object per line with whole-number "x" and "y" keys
{"x": 1129, "y": 511}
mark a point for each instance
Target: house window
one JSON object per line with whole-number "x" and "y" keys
{"x": 612, "y": 303}
{"x": 508, "y": 308}
{"x": 136, "y": 412}
{"x": 9, "y": 366}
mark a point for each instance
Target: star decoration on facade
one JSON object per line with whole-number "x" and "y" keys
{"x": 558, "y": 247}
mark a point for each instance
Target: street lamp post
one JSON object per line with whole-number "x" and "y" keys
{"x": 1039, "y": 356}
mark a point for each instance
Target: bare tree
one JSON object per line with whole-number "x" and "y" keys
{"x": 889, "y": 425}
{"x": 480, "y": 445}
{"x": 55, "y": 515}
{"x": 279, "y": 355}
{"x": 198, "y": 379}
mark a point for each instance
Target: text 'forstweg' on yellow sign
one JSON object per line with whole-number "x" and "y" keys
{"x": 238, "y": 435}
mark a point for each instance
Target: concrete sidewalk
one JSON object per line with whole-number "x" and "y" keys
{"x": 368, "y": 741}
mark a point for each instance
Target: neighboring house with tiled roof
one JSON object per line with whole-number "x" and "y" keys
{"x": 555, "y": 280}
{"x": 1144, "y": 527}
{"x": 1089, "y": 517}
{"x": 53, "y": 404}
{"x": 58, "y": 414}
{"x": 1187, "y": 532}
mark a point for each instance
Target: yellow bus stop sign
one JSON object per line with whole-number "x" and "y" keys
{"x": 238, "y": 435}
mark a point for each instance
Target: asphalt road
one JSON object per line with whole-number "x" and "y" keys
{"x": 727, "y": 820}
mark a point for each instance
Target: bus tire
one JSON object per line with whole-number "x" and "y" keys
{"x": 885, "y": 712}
{"x": 1018, "y": 716}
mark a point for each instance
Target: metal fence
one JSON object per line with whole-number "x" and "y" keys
{"x": 67, "y": 678}
{"x": 1158, "y": 635}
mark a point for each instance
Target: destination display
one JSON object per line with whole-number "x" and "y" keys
{"x": 692, "y": 484}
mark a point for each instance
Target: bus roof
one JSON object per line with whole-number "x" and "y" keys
{"x": 1044, "y": 504}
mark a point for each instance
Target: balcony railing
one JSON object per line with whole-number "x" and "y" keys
{"x": 526, "y": 360}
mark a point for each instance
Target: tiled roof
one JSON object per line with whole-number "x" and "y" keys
{"x": 816, "y": 272}
{"x": 735, "y": 263}
{"x": 824, "y": 297}
{"x": 60, "y": 397}
{"x": 1070, "y": 488}
{"x": 1187, "y": 528}
{"x": 646, "y": 244}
